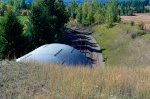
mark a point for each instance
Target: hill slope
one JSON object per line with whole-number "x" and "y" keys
{"x": 51, "y": 82}
{"x": 124, "y": 45}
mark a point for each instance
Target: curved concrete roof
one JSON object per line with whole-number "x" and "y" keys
{"x": 55, "y": 54}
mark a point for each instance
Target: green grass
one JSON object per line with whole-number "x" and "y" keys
{"x": 146, "y": 36}
{"x": 118, "y": 44}
{"x": 30, "y": 81}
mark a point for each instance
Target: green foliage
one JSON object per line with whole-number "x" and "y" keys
{"x": 2, "y": 8}
{"x": 129, "y": 7}
{"x": 17, "y": 4}
{"x": 93, "y": 12}
{"x": 20, "y": 35}
{"x": 72, "y": 9}
{"x": 11, "y": 39}
{"x": 90, "y": 13}
{"x": 3, "y": 44}
{"x": 79, "y": 14}
{"x": 130, "y": 11}
{"x": 47, "y": 18}
{"x": 112, "y": 13}
{"x": 10, "y": 2}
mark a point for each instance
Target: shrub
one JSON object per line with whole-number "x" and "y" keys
{"x": 132, "y": 23}
{"x": 141, "y": 26}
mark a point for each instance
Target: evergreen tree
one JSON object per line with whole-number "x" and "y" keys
{"x": 91, "y": 12}
{"x": 23, "y": 4}
{"x": 79, "y": 14}
{"x": 17, "y": 4}
{"x": 2, "y": 8}
{"x": 10, "y": 2}
{"x": 47, "y": 18}
{"x": 11, "y": 38}
{"x": 90, "y": 16}
{"x": 72, "y": 9}
{"x": 98, "y": 12}
{"x": 3, "y": 46}
{"x": 85, "y": 12}
{"x": 112, "y": 13}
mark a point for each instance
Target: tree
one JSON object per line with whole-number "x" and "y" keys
{"x": 17, "y": 4}
{"x": 98, "y": 11}
{"x": 72, "y": 9}
{"x": 21, "y": 4}
{"x": 10, "y": 2}
{"x": 62, "y": 17}
{"x": 85, "y": 11}
{"x": 79, "y": 14}
{"x": 2, "y": 8}
{"x": 11, "y": 39}
{"x": 91, "y": 12}
{"x": 47, "y": 18}
{"x": 98, "y": 18}
{"x": 90, "y": 17}
{"x": 112, "y": 13}
{"x": 130, "y": 11}
{"x": 3, "y": 48}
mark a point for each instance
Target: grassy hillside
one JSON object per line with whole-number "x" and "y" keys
{"x": 57, "y": 82}
{"x": 123, "y": 45}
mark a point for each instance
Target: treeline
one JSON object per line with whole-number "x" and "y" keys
{"x": 45, "y": 25}
{"x": 94, "y": 12}
{"x": 129, "y": 7}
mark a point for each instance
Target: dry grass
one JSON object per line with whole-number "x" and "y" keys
{"x": 137, "y": 53}
{"x": 119, "y": 46}
{"x": 138, "y": 18}
{"x": 57, "y": 82}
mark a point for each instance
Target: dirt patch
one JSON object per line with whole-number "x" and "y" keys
{"x": 138, "y": 18}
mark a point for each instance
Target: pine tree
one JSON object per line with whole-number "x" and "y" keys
{"x": 72, "y": 9}
{"x": 12, "y": 35}
{"x": 85, "y": 11}
{"x": 47, "y": 18}
{"x": 2, "y": 8}
{"x": 23, "y": 4}
{"x": 112, "y": 13}
{"x": 10, "y": 2}
{"x": 79, "y": 14}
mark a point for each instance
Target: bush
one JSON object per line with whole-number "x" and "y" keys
{"x": 141, "y": 26}
{"x": 132, "y": 23}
